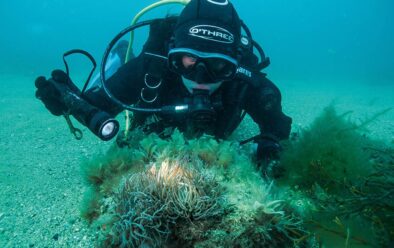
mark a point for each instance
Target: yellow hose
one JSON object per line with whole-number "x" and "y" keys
{"x": 130, "y": 48}
{"x": 143, "y": 12}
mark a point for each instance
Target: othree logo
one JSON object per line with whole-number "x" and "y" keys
{"x": 212, "y": 33}
{"x": 222, "y": 2}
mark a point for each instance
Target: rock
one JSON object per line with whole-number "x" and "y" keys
{"x": 56, "y": 237}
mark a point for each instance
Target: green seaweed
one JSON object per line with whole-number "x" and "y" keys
{"x": 187, "y": 193}
{"x": 208, "y": 193}
{"x": 103, "y": 173}
{"x": 329, "y": 153}
{"x": 337, "y": 176}
{"x": 90, "y": 205}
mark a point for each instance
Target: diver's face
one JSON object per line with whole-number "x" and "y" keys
{"x": 192, "y": 85}
{"x": 188, "y": 61}
{"x": 202, "y": 70}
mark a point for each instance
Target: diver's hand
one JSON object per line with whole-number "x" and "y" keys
{"x": 268, "y": 157}
{"x": 51, "y": 92}
{"x": 267, "y": 149}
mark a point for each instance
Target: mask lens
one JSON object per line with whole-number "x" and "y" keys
{"x": 182, "y": 63}
{"x": 188, "y": 61}
{"x": 218, "y": 66}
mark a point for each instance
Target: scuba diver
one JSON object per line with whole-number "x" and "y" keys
{"x": 197, "y": 72}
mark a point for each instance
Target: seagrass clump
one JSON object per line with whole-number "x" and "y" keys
{"x": 329, "y": 153}
{"x": 342, "y": 180}
{"x": 191, "y": 193}
{"x": 151, "y": 203}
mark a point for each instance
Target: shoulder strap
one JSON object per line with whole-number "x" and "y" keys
{"x": 160, "y": 33}
{"x": 156, "y": 47}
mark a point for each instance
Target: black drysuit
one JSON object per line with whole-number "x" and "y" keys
{"x": 261, "y": 100}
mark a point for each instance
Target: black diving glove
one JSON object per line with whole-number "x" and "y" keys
{"x": 51, "y": 91}
{"x": 268, "y": 150}
{"x": 61, "y": 97}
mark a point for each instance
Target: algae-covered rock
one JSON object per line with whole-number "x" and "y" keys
{"x": 337, "y": 191}
{"x": 190, "y": 193}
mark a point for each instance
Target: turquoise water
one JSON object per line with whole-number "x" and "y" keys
{"x": 307, "y": 40}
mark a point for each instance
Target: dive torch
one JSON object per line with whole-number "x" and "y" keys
{"x": 99, "y": 122}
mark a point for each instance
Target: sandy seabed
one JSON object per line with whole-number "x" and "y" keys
{"x": 40, "y": 183}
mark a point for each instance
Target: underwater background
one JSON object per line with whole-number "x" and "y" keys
{"x": 306, "y": 40}
{"x": 322, "y": 52}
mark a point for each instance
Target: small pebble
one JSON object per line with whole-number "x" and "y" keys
{"x": 56, "y": 236}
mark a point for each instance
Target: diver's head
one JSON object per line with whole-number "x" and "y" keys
{"x": 206, "y": 41}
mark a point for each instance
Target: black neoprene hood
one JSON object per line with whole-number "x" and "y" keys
{"x": 209, "y": 26}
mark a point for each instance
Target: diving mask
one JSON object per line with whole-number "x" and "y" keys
{"x": 202, "y": 67}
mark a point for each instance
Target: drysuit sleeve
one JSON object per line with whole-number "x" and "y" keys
{"x": 125, "y": 85}
{"x": 265, "y": 107}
